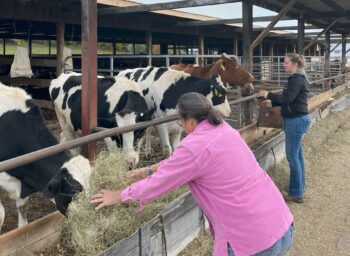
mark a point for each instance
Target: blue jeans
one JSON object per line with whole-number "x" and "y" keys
{"x": 277, "y": 249}
{"x": 294, "y": 129}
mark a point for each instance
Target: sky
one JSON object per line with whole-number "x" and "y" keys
{"x": 232, "y": 11}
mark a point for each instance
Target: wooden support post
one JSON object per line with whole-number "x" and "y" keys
{"x": 247, "y": 15}
{"x": 30, "y": 43}
{"x": 201, "y": 49}
{"x": 247, "y": 56}
{"x": 271, "y": 54}
{"x": 59, "y": 47}
{"x": 343, "y": 55}
{"x": 235, "y": 45}
{"x": 149, "y": 47}
{"x": 301, "y": 35}
{"x": 114, "y": 47}
{"x": 89, "y": 72}
{"x": 320, "y": 34}
{"x": 327, "y": 59}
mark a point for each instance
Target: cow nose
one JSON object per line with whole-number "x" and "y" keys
{"x": 133, "y": 160}
{"x": 248, "y": 90}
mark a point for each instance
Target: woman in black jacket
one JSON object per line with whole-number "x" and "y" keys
{"x": 294, "y": 110}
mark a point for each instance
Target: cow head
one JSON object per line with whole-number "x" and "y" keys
{"x": 232, "y": 74}
{"x": 218, "y": 96}
{"x": 128, "y": 140}
{"x": 70, "y": 180}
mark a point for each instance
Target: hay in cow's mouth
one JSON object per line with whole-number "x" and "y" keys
{"x": 89, "y": 232}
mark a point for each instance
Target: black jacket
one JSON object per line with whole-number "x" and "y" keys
{"x": 293, "y": 100}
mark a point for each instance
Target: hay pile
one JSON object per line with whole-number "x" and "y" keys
{"x": 88, "y": 232}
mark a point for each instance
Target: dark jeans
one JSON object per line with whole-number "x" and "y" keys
{"x": 294, "y": 129}
{"x": 277, "y": 249}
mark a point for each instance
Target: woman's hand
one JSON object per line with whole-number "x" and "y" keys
{"x": 135, "y": 175}
{"x": 106, "y": 198}
{"x": 266, "y": 104}
{"x": 262, "y": 94}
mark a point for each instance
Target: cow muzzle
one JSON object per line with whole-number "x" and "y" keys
{"x": 248, "y": 90}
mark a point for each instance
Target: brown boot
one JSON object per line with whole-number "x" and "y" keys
{"x": 289, "y": 198}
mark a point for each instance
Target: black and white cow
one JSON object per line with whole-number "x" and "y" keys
{"x": 120, "y": 103}
{"x": 162, "y": 87}
{"x": 23, "y": 130}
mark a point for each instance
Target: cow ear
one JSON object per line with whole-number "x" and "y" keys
{"x": 107, "y": 122}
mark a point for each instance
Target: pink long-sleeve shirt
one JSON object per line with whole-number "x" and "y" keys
{"x": 242, "y": 204}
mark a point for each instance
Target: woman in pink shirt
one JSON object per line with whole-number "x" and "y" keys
{"x": 245, "y": 210}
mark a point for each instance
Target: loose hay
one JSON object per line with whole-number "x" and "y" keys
{"x": 89, "y": 232}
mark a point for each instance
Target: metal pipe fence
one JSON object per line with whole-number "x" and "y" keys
{"x": 101, "y": 133}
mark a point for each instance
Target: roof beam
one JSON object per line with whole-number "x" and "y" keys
{"x": 320, "y": 34}
{"x": 163, "y": 6}
{"x": 264, "y": 33}
{"x": 334, "y": 6}
{"x": 287, "y": 28}
{"x": 227, "y": 21}
{"x": 309, "y": 14}
{"x": 342, "y": 41}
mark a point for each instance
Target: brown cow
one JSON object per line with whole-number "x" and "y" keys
{"x": 231, "y": 73}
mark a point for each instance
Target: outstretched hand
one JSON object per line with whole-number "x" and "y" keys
{"x": 106, "y": 198}
{"x": 135, "y": 175}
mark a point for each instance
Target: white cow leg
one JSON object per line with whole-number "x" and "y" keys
{"x": 148, "y": 147}
{"x": 67, "y": 133}
{"x": 22, "y": 211}
{"x": 175, "y": 139}
{"x": 2, "y": 215}
{"x": 164, "y": 139}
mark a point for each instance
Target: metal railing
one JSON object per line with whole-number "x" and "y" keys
{"x": 266, "y": 69}
{"x": 103, "y": 133}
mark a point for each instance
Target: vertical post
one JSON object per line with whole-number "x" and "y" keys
{"x": 247, "y": 56}
{"x": 149, "y": 47}
{"x": 4, "y": 43}
{"x": 201, "y": 49}
{"x": 271, "y": 61}
{"x": 49, "y": 47}
{"x": 301, "y": 34}
{"x": 59, "y": 47}
{"x": 343, "y": 55}
{"x": 235, "y": 45}
{"x": 114, "y": 47}
{"x": 327, "y": 56}
{"x": 89, "y": 72}
{"x": 30, "y": 43}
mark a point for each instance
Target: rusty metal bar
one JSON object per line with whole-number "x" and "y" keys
{"x": 89, "y": 72}
{"x": 251, "y": 97}
{"x": 45, "y": 152}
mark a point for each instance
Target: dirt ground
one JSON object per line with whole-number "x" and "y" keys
{"x": 323, "y": 221}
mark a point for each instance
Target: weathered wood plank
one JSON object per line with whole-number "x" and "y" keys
{"x": 18, "y": 81}
{"x": 44, "y": 104}
{"x": 164, "y": 6}
{"x": 181, "y": 231}
{"x": 178, "y": 207}
{"x": 35, "y": 62}
{"x": 35, "y": 236}
{"x": 151, "y": 242}
{"x": 128, "y": 247}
